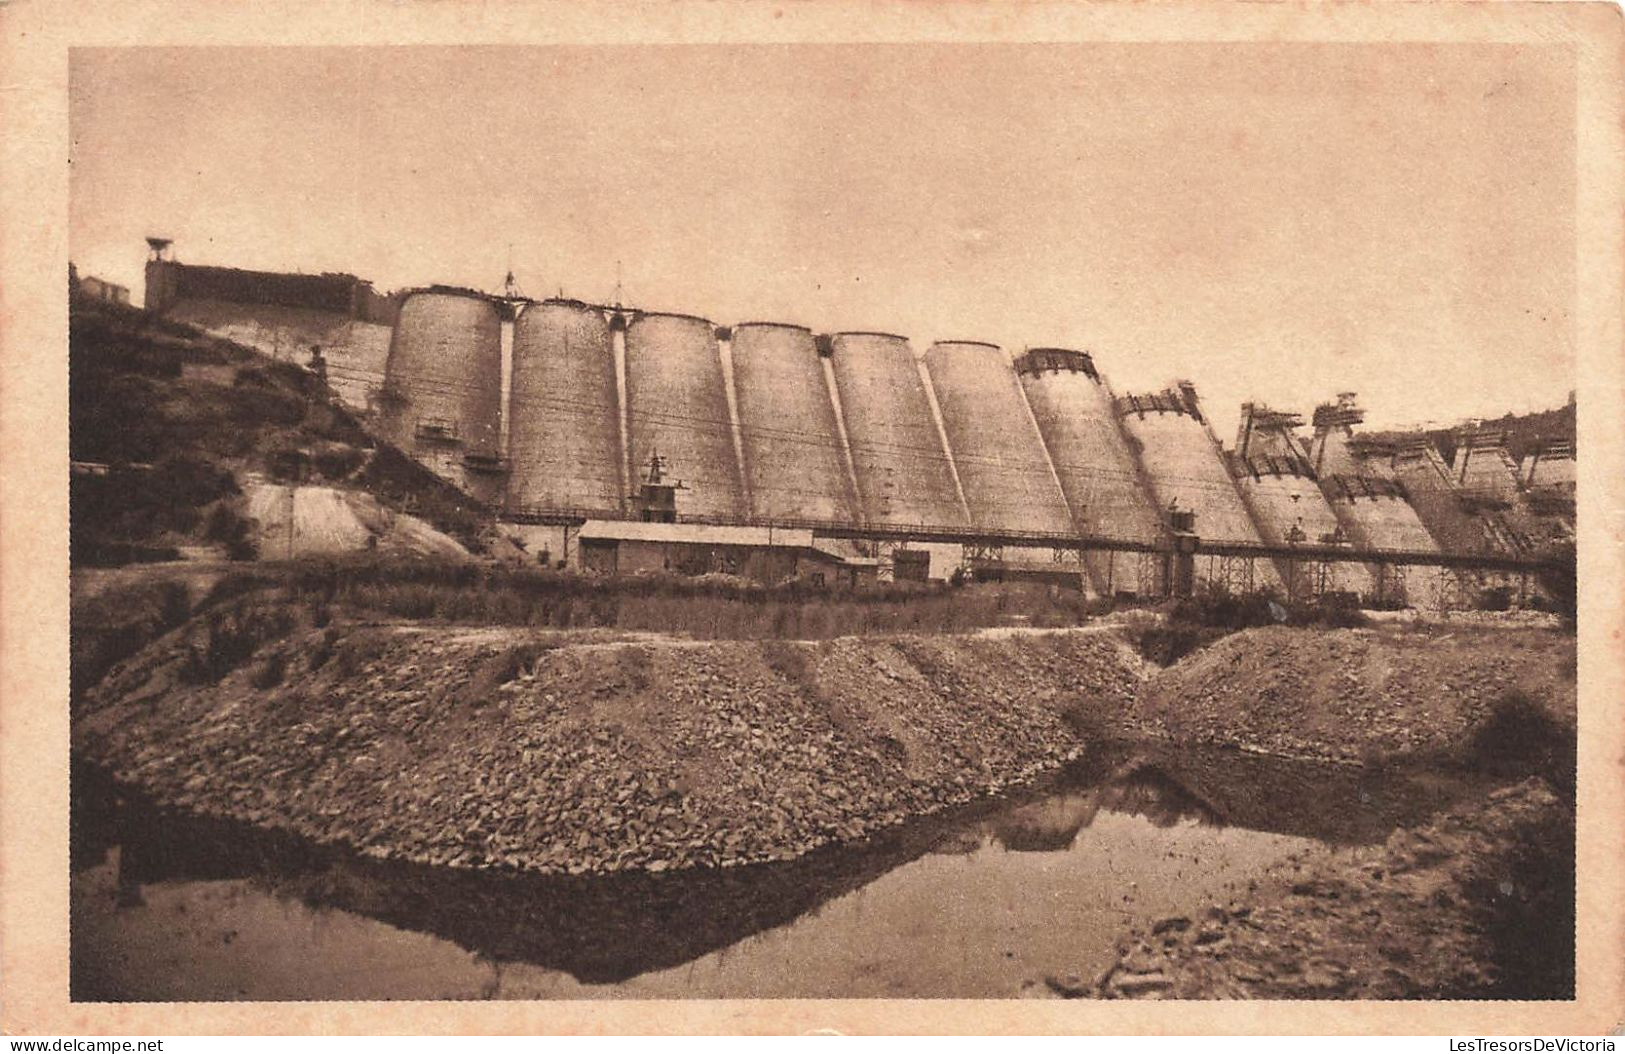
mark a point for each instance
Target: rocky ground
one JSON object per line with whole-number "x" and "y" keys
{"x": 1477, "y": 904}
{"x": 1355, "y": 695}
{"x": 556, "y": 753}
{"x": 582, "y": 752}
{"x": 591, "y": 752}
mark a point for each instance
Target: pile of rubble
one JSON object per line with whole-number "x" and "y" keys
{"x": 1475, "y": 905}
{"x": 1353, "y": 695}
{"x": 518, "y": 749}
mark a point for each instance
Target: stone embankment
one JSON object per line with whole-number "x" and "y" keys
{"x": 1477, "y": 904}
{"x": 591, "y": 752}
{"x": 1354, "y": 695}
{"x": 520, "y": 749}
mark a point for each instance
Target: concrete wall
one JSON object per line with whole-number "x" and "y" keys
{"x": 677, "y": 404}
{"x": 1486, "y": 472}
{"x": 787, "y": 433}
{"x": 1332, "y": 453}
{"x": 1281, "y": 502}
{"x": 794, "y": 466}
{"x": 356, "y": 351}
{"x": 445, "y": 369}
{"x": 1185, "y": 466}
{"x": 1557, "y": 473}
{"x": 1389, "y": 522}
{"x": 902, "y": 469}
{"x": 564, "y": 437}
{"x": 1437, "y": 502}
{"x": 168, "y": 280}
{"x": 996, "y": 447}
{"x": 1098, "y": 474}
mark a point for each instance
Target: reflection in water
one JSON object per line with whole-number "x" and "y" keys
{"x": 1137, "y": 789}
{"x": 1151, "y": 793}
{"x": 801, "y": 927}
{"x": 1046, "y": 826}
{"x": 598, "y": 929}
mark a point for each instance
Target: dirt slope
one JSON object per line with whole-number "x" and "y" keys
{"x": 1354, "y": 694}
{"x": 330, "y": 520}
{"x": 1477, "y": 904}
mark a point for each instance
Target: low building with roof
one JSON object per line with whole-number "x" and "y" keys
{"x": 763, "y": 554}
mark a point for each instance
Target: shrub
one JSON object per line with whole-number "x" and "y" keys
{"x": 712, "y": 606}
{"x": 1167, "y": 643}
{"x": 1224, "y": 610}
{"x": 1194, "y": 622}
{"x": 111, "y": 627}
{"x": 337, "y": 462}
{"x": 786, "y": 660}
{"x": 634, "y": 666}
{"x": 359, "y": 650}
{"x": 498, "y": 670}
{"x": 1084, "y": 720}
{"x": 1560, "y": 586}
{"x": 1518, "y": 736}
{"x": 271, "y": 672}
{"x": 322, "y": 650}
{"x": 230, "y": 638}
{"x": 227, "y": 527}
{"x": 1334, "y": 610}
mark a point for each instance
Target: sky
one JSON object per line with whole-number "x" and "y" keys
{"x": 1275, "y": 222}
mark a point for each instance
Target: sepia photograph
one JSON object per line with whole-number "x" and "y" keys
{"x": 1073, "y": 520}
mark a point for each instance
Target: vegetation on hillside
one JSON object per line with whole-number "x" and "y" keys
{"x": 115, "y": 625}
{"x": 177, "y": 416}
{"x": 1194, "y": 622}
{"x": 714, "y": 606}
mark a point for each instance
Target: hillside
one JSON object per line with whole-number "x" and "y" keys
{"x": 174, "y": 434}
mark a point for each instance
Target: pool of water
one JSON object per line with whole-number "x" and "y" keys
{"x": 983, "y": 903}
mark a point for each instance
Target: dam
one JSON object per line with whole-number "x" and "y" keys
{"x": 555, "y": 411}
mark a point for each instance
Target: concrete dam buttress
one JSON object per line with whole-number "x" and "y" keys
{"x": 677, "y": 406}
{"x": 1284, "y": 499}
{"x": 897, "y": 455}
{"x": 996, "y": 446}
{"x": 794, "y": 467}
{"x": 1369, "y": 499}
{"x": 769, "y": 421}
{"x": 564, "y": 437}
{"x": 1098, "y": 474}
{"x": 442, "y": 397}
{"x": 1377, "y": 516}
{"x": 1273, "y": 470}
{"x": 1364, "y": 491}
{"x": 1186, "y": 467}
{"x": 1437, "y": 501}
